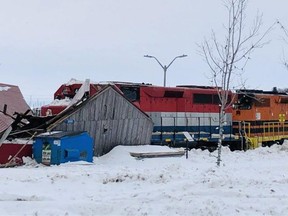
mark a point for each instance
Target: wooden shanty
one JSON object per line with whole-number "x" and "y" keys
{"x": 109, "y": 118}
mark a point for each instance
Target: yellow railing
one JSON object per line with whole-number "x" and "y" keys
{"x": 272, "y": 131}
{"x": 269, "y": 132}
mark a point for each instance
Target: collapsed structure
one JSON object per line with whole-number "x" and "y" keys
{"x": 109, "y": 118}
{"x": 11, "y": 103}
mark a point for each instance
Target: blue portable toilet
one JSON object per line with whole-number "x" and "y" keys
{"x": 54, "y": 148}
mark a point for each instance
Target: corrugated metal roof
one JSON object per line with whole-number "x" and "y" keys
{"x": 12, "y": 96}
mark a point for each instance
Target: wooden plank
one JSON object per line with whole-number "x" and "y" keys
{"x": 7, "y": 165}
{"x": 156, "y": 154}
{"x": 5, "y": 134}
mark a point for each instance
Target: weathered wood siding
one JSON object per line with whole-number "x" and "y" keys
{"x": 111, "y": 120}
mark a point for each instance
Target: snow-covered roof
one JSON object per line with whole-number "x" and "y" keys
{"x": 13, "y": 98}
{"x": 73, "y": 81}
{"x": 4, "y": 88}
{"x": 62, "y": 102}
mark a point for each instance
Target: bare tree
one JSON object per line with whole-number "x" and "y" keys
{"x": 230, "y": 57}
{"x": 285, "y": 39}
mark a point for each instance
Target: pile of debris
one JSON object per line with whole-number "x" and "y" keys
{"x": 18, "y": 124}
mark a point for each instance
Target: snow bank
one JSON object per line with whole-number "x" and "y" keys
{"x": 247, "y": 183}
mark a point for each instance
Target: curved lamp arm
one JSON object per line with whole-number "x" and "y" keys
{"x": 148, "y": 56}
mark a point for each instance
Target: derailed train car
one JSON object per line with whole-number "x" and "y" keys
{"x": 255, "y": 118}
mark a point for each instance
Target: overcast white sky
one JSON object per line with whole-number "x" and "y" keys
{"x": 46, "y": 43}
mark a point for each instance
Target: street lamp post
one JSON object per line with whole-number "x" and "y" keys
{"x": 165, "y": 67}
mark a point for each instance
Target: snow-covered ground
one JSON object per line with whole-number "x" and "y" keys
{"x": 247, "y": 183}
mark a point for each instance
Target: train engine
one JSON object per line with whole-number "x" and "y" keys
{"x": 194, "y": 109}
{"x": 259, "y": 117}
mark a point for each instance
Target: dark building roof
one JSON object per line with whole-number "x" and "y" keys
{"x": 13, "y": 98}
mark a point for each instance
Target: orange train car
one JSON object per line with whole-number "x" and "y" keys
{"x": 260, "y": 117}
